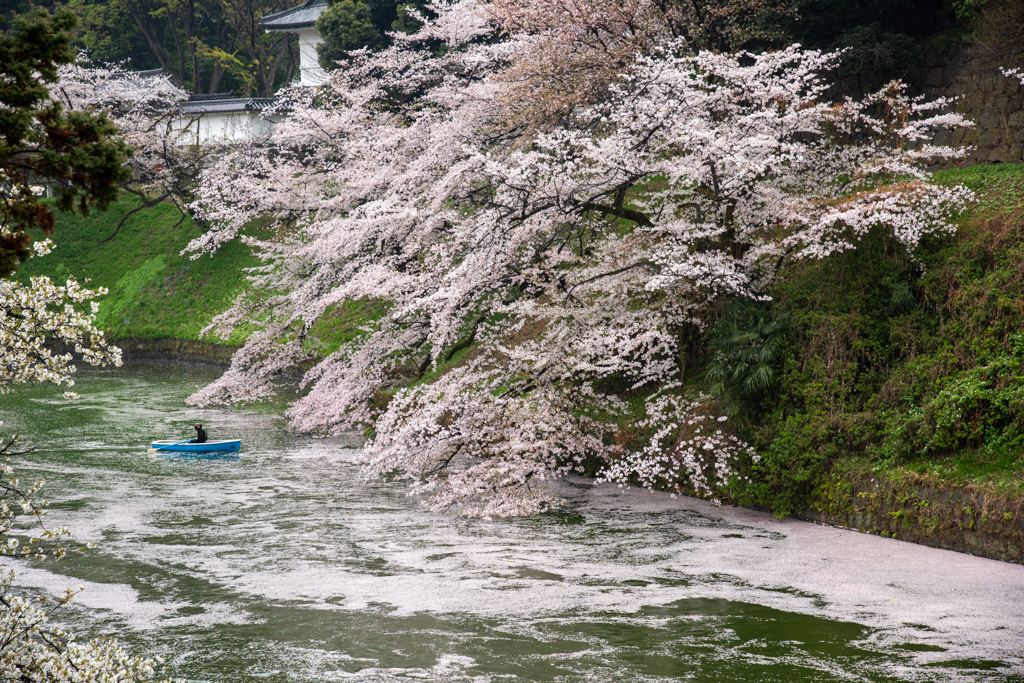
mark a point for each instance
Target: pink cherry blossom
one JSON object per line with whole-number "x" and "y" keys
{"x": 547, "y": 268}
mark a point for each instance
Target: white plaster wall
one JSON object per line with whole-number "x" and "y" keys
{"x": 223, "y": 127}
{"x": 310, "y": 72}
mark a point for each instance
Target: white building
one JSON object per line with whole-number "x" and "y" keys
{"x": 223, "y": 117}
{"x": 301, "y": 21}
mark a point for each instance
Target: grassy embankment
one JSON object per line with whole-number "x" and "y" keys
{"x": 909, "y": 372}
{"x": 154, "y": 291}
{"x": 898, "y": 403}
{"x": 157, "y": 293}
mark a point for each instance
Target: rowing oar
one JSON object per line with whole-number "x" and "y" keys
{"x": 151, "y": 451}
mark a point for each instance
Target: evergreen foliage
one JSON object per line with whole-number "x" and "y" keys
{"x": 345, "y": 26}
{"x": 206, "y": 46}
{"x": 744, "y": 348}
{"x": 895, "y": 364}
{"x": 76, "y": 152}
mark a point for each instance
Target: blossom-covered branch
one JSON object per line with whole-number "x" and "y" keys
{"x": 549, "y": 271}
{"x": 36, "y": 320}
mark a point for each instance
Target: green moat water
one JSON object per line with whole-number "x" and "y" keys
{"x": 285, "y": 564}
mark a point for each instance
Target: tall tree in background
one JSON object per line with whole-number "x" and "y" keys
{"x": 110, "y": 34}
{"x": 345, "y": 26}
{"x": 349, "y": 25}
{"x": 206, "y": 45}
{"x": 997, "y": 33}
{"x": 270, "y": 58}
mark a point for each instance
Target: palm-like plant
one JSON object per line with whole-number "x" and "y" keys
{"x": 744, "y": 347}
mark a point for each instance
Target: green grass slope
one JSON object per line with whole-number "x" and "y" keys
{"x": 154, "y": 291}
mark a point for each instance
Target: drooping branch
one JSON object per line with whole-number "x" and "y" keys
{"x": 638, "y": 217}
{"x": 147, "y": 203}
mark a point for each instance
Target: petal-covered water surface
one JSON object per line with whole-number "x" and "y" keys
{"x": 284, "y": 564}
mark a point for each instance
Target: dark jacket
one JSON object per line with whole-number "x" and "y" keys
{"x": 200, "y": 436}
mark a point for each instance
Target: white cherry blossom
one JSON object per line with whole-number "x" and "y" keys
{"x": 550, "y": 270}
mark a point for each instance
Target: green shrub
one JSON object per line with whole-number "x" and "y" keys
{"x": 895, "y": 360}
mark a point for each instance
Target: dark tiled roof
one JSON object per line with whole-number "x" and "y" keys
{"x": 226, "y": 105}
{"x": 203, "y": 97}
{"x": 303, "y": 16}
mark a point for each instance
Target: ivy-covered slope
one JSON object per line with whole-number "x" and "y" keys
{"x": 896, "y": 367}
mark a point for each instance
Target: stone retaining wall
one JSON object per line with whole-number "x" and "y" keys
{"x": 996, "y": 105}
{"x": 175, "y": 349}
{"x": 992, "y": 101}
{"x": 966, "y": 520}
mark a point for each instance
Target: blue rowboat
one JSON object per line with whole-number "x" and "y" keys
{"x": 207, "y": 447}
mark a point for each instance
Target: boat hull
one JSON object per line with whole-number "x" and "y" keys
{"x": 208, "y": 447}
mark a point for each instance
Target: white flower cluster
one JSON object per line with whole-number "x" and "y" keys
{"x": 689, "y": 452}
{"x": 32, "y": 651}
{"x": 42, "y": 247}
{"x": 1013, "y": 73}
{"x": 34, "y": 319}
{"x": 17, "y": 504}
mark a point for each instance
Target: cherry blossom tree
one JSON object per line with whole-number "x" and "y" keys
{"x": 578, "y": 49}
{"x": 165, "y": 165}
{"x": 540, "y": 280}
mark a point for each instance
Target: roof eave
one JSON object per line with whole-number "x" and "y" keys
{"x": 281, "y": 28}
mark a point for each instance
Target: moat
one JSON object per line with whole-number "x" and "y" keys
{"x": 286, "y": 564}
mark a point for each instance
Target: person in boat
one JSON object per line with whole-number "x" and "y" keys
{"x": 200, "y": 434}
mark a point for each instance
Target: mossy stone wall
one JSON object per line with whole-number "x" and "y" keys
{"x": 963, "y": 519}
{"x": 187, "y": 350}
{"x": 996, "y": 105}
{"x": 992, "y": 101}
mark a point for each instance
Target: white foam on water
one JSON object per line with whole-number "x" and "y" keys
{"x": 124, "y": 602}
{"x": 501, "y": 568}
{"x": 293, "y": 527}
